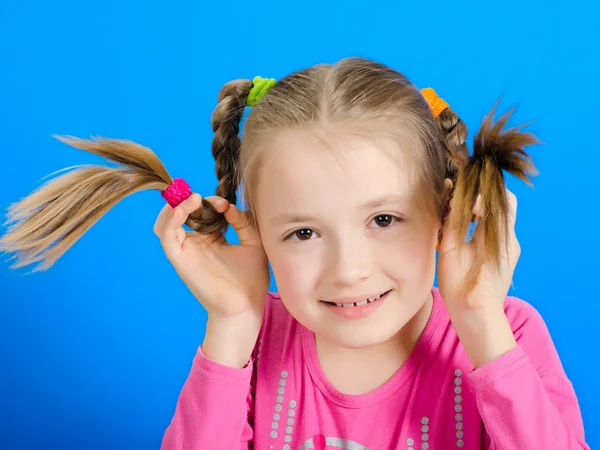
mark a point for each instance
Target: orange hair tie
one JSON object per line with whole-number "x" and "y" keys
{"x": 436, "y": 104}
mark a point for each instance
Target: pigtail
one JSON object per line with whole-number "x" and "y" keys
{"x": 45, "y": 224}
{"x": 495, "y": 150}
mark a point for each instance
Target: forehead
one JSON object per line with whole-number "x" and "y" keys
{"x": 305, "y": 167}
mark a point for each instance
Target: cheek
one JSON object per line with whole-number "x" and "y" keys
{"x": 409, "y": 253}
{"x": 296, "y": 272}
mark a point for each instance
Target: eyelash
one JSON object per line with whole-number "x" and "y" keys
{"x": 394, "y": 219}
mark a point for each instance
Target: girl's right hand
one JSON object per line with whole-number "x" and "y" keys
{"x": 230, "y": 281}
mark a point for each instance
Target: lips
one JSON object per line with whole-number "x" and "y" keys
{"x": 357, "y": 307}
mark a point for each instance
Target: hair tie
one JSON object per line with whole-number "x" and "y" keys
{"x": 436, "y": 104}
{"x": 259, "y": 90}
{"x": 177, "y": 192}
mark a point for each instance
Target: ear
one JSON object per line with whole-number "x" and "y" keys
{"x": 448, "y": 185}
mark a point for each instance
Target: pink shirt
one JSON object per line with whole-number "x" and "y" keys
{"x": 282, "y": 400}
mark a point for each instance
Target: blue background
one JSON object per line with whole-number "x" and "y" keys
{"x": 94, "y": 352}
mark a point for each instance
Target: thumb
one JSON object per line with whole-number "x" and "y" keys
{"x": 169, "y": 226}
{"x": 451, "y": 236}
{"x": 247, "y": 233}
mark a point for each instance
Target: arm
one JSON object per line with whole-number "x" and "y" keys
{"x": 214, "y": 409}
{"x": 524, "y": 396}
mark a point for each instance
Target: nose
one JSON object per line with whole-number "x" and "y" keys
{"x": 350, "y": 262}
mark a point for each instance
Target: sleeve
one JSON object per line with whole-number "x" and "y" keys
{"x": 524, "y": 397}
{"x": 214, "y": 408}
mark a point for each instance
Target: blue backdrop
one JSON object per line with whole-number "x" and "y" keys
{"x": 95, "y": 351}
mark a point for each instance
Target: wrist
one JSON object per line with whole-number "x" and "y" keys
{"x": 485, "y": 333}
{"x": 229, "y": 341}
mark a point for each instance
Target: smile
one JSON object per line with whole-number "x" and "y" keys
{"x": 357, "y": 309}
{"x": 363, "y": 302}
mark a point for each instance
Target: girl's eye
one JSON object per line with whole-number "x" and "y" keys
{"x": 303, "y": 234}
{"x": 384, "y": 220}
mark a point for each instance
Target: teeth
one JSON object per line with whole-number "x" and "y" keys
{"x": 361, "y": 303}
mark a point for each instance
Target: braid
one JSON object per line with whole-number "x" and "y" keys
{"x": 495, "y": 151}
{"x": 454, "y": 133}
{"x": 225, "y": 149}
{"x": 46, "y": 223}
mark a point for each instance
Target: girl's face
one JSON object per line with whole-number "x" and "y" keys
{"x": 343, "y": 225}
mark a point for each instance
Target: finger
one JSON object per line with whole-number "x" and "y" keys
{"x": 247, "y": 234}
{"x": 219, "y": 203}
{"x": 181, "y": 212}
{"x": 478, "y": 208}
{"x": 162, "y": 218}
{"x": 181, "y": 235}
{"x": 513, "y": 246}
{"x": 170, "y": 236}
{"x": 506, "y": 230}
{"x": 508, "y": 245}
{"x": 478, "y": 238}
{"x": 512, "y": 207}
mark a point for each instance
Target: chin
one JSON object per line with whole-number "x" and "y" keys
{"x": 355, "y": 336}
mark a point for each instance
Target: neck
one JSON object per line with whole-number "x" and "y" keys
{"x": 351, "y": 370}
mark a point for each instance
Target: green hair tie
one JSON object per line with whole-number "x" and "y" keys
{"x": 259, "y": 90}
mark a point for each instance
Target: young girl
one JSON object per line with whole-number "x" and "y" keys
{"x": 354, "y": 182}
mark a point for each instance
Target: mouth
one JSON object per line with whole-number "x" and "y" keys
{"x": 358, "y": 303}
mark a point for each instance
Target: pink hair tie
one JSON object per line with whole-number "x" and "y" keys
{"x": 177, "y": 192}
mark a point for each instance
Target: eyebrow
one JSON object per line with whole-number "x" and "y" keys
{"x": 283, "y": 219}
{"x": 384, "y": 200}
{"x": 291, "y": 218}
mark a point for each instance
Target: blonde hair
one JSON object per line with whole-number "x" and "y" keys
{"x": 354, "y": 91}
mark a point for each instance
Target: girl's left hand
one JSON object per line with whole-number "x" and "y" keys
{"x": 492, "y": 284}
{"x": 478, "y": 315}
